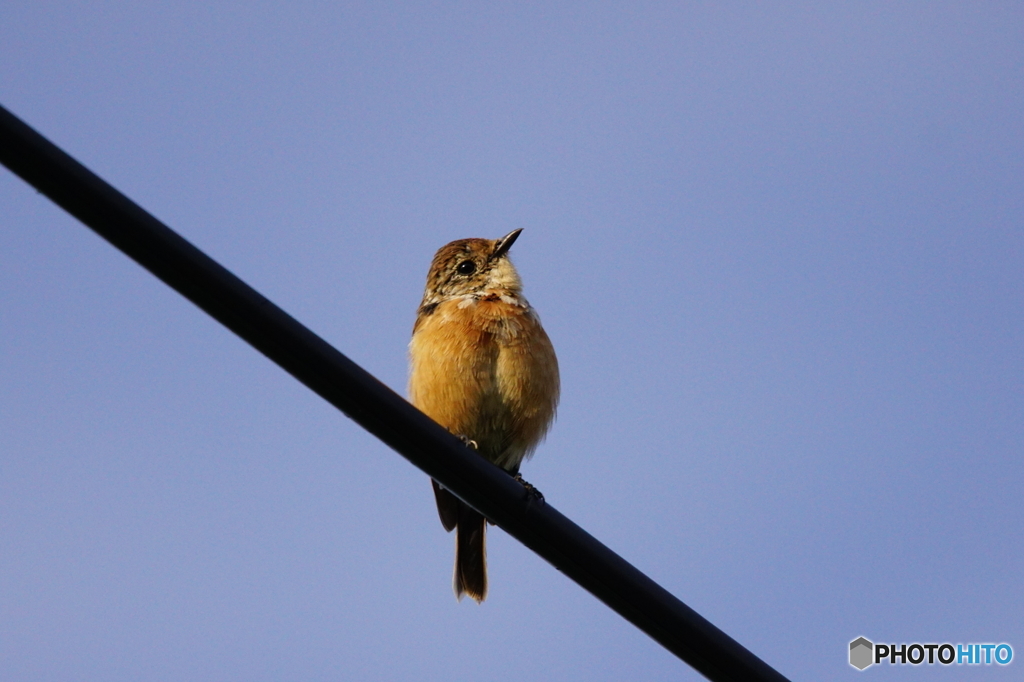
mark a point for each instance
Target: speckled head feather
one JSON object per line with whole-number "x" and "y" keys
{"x": 472, "y": 267}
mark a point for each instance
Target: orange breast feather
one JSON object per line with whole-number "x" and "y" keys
{"x": 487, "y": 371}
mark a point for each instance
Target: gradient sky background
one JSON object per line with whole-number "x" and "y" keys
{"x": 779, "y": 250}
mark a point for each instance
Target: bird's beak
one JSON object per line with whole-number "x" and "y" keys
{"x": 505, "y": 243}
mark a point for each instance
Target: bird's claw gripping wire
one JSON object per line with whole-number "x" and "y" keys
{"x": 467, "y": 442}
{"x": 531, "y": 492}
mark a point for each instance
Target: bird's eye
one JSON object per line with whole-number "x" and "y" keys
{"x": 466, "y": 267}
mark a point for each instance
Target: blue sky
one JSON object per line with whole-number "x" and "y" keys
{"x": 778, "y": 248}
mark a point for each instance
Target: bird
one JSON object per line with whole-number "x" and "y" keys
{"x": 482, "y": 366}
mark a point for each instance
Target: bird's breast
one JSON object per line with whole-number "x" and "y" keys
{"x": 485, "y": 369}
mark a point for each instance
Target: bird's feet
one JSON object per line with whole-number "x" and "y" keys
{"x": 467, "y": 442}
{"x": 531, "y": 492}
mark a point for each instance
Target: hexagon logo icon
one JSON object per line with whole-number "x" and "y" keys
{"x": 861, "y": 653}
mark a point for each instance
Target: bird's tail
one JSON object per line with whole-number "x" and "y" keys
{"x": 470, "y": 555}
{"x": 470, "y": 552}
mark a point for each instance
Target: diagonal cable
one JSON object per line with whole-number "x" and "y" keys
{"x": 375, "y": 407}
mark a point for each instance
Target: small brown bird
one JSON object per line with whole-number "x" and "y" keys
{"x": 482, "y": 367}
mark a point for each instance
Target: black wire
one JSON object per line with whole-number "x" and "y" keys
{"x": 374, "y": 406}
